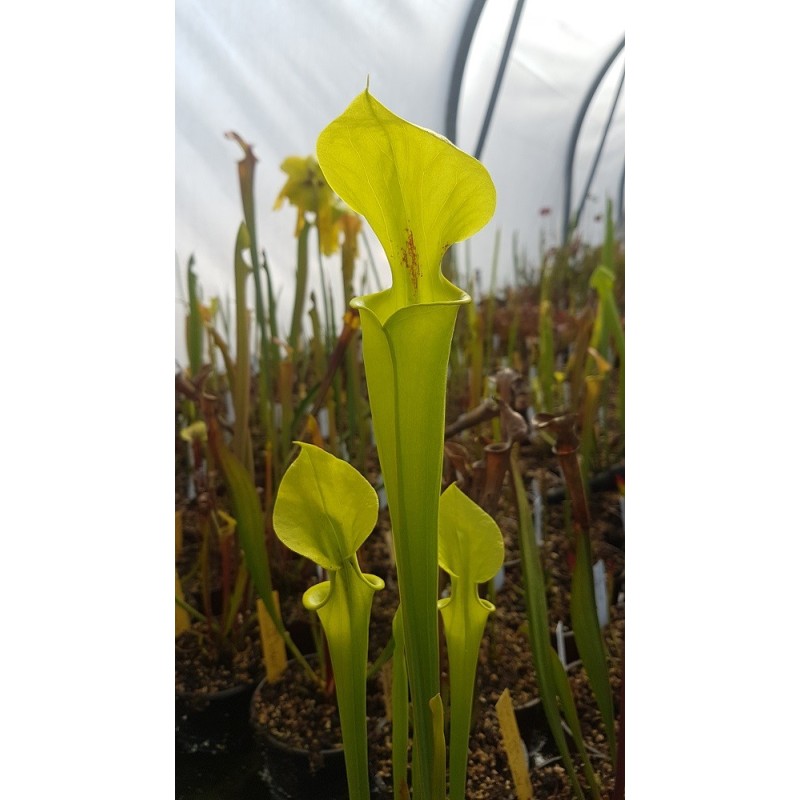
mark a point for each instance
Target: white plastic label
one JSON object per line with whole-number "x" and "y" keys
{"x": 600, "y": 594}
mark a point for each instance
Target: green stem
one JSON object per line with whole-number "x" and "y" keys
{"x": 300, "y": 287}
{"x": 242, "y": 447}
{"x": 410, "y": 447}
{"x": 345, "y": 619}
{"x": 193, "y": 612}
{"x": 399, "y": 709}
{"x": 464, "y": 617}
{"x": 383, "y": 658}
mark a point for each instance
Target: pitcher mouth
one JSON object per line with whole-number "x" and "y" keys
{"x": 382, "y": 305}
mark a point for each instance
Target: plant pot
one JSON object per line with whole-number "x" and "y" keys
{"x": 297, "y": 707}
{"x": 534, "y": 728}
{"x": 213, "y": 687}
{"x": 291, "y": 770}
{"x": 535, "y": 733}
{"x": 570, "y": 648}
{"x": 229, "y": 776}
{"x": 215, "y": 722}
{"x": 293, "y": 773}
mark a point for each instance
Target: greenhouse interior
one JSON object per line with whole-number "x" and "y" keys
{"x": 400, "y": 323}
{"x": 375, "y": 253}
{"x": 399, "y": 400}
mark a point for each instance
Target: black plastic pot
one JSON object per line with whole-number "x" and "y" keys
{"x": 294, "y": 773}
{"x": 570, "y": 648}
{"x": 213, "y": 723}
{"x": 535, "y": 730}
{"x": 535, "y": 733}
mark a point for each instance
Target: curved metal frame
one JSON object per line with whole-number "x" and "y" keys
{"x": 460, "y": 64}
{"x": 599, "y": 152}
{"x": 568, "y": 227}
{"x": 464, "y": 45}
{"x": 454, "y": 98}
{"x": 498, "y": 78}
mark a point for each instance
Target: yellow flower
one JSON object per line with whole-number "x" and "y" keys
{"x": 197, "y": 430}
{"x": 207, "y": 313}
{"x": 307, "y": 190}
{"x": 351, "y": 225}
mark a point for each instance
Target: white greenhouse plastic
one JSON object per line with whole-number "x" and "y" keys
{"x": 276, "y": 73}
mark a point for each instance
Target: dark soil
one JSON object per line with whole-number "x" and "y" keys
{"x": 206, "y": 662}
{"x": 203, "y": 667}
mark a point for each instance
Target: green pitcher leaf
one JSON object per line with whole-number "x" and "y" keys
{"x": 418, "y": 191}
{"x": 406, "y": 370}
{"x": 194, "y": 322}
{"x": 248, "y": 514}
{"x": 471, "y": 551}
{"x": 420, "y": 194}
{"x": 343, "y": 605}
{"x": 609, "y": 322}
{"x": 399, "y": 709}
{"x": 470, "y": 543}
{"x": 316, "y": 596}
{"x": 325, "y": 508}
{"x": 439, "y": 778}
{"x": 242, "y": 445}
